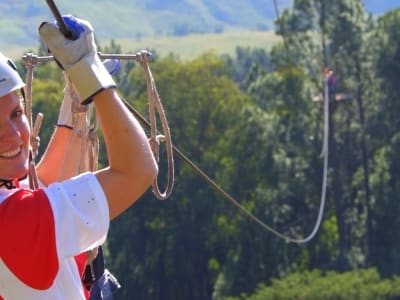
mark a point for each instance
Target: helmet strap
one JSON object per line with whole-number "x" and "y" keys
{"x": 11, "y": 183}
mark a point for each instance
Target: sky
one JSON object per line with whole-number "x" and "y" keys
{"x": 377, "y": 7}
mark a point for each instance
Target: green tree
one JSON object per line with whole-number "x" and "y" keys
{"x": 318, "y": 34}
{"x": 385, "y": 175}
{"x": 171, "y": 249}
{"x": 359, "y": 284}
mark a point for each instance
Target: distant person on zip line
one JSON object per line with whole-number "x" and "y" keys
{"x": 331, "y": 80}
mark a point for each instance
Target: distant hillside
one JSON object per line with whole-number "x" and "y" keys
{"x": 137, "y": 19}
{"x": 140, "y": 19}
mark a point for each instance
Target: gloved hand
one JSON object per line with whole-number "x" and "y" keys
{"x": 71, "y": 102}
{"x": 78, "y": 57}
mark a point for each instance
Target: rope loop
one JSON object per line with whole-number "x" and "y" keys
{"x": 155, "y": 148}
{"x": 155, "y": 106}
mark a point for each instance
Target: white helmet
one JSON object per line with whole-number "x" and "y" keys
{"x": 9, "y": 78}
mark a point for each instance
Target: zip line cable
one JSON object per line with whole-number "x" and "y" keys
{"x": 217, "y": 188}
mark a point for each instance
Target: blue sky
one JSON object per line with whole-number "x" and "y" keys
{"x": 376, "y": 7}
{"x": 381, "y": 6}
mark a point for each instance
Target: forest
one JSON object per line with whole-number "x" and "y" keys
{"x": 250, "y": 123}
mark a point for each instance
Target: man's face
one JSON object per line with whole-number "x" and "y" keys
{"x": 14, "y": 138}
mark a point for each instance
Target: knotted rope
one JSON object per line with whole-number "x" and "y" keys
{"x": 29, "y": 60}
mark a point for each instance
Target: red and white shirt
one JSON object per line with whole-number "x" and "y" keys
{"x": 41, "y": 234}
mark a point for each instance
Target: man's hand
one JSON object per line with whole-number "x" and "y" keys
{"x": 78, "y": 57}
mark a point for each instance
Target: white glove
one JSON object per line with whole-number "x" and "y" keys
{"x": 78, "y": 57}
{"x": 71, "y": 103}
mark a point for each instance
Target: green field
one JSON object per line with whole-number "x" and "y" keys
{"x": 187, "y": 47}
{"x": 191, "y": 46}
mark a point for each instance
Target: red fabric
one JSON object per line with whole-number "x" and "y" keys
{"x": 28, "y": 244}
{"x": 81, "y": 263}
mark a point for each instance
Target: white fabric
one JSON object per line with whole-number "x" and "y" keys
{"x": 81, "y": 218}
{"x": 69, "y": 51}
{"x": 81, "y": 212}
{"x": 90, "y": 76}
{"x": 65, "y": 115}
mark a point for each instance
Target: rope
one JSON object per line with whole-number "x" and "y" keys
{"x": 80, "y": 132}
{"x": 155, "y": 105}
{"x": 155, "y": 138}
{"x": 29, "y": 61}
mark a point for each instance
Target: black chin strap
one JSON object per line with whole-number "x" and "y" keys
{"x": 10, "y": 183}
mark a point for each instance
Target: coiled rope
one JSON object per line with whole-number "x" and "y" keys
{"x": 155, "y": 105}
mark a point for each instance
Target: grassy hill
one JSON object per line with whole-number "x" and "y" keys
{"x": 187, "y": 27}
{"x": 186, "y": 47}
{"x": 192, "y": 45}
{"x": 137, "y": 19}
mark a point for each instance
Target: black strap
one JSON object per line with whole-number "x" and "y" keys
{"x": 10, "y": 183}
{"x": 94, "y": 270}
